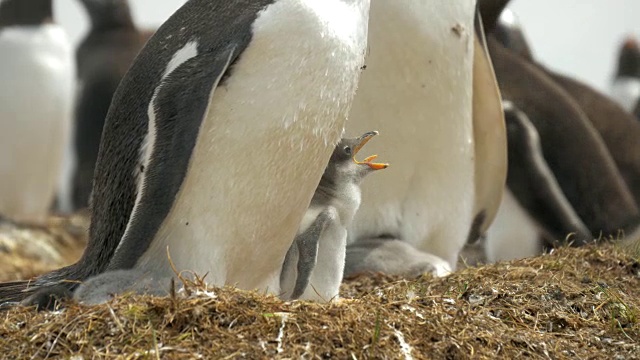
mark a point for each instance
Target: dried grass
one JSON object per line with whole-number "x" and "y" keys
{"x": 574, "y": 303}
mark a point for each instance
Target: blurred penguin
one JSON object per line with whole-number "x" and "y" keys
{"x": 36, "y": 104}
{"x": 103, "y": 57}
{"x": 625, "y": 88}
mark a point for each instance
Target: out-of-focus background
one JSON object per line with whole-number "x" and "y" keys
{"x": 576, "y": 37}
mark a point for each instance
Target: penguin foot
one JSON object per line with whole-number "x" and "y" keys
{"x": 104, "y": 287}
{"x": 49, "y": 298}
{"x": 392, "y": 257}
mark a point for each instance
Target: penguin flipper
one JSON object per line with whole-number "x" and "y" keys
{"x": 542, "y": 183}
{"x": 307, "y": 247}
{"x": 178, "y": 116}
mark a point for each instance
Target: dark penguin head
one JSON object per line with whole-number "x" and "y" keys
{"x": 508, "y": 32}
{"x": 629, "y": 59}
{"x": 106, "y": 14}
{"x": 343, "y": 168}
{"x": 25, "y": 12}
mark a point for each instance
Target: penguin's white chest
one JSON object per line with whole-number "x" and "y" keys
{"x": 626, "y": 91}
{"x": 264, "y": 143}
{"x": 36, "y": 98}
{"x": 417, "y": 91}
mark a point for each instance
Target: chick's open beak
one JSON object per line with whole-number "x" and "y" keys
{"x": 368, "y": 160}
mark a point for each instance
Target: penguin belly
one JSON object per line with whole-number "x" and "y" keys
{"x": 626, "y": 92}
{"x": 513, "y": 234}
{"x": 417, "y": 91}
{"x": 36, "y": 100}
{"x": 256, "y": 163}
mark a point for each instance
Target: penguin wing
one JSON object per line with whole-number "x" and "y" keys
{"x": 304, "y": 254}
{"x": 542, "y": 188}
{"x": 177, "y": 109}
{"x": 489, "y": 136}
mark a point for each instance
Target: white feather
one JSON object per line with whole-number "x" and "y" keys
{"x": 626, "y": 92}
{"x": 36, "y": 100}
{"x": 513, "y": 234}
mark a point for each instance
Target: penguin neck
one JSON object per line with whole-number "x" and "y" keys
{"x": 25, "y": 13}
{"x": 629, "y": 64}
{"x": 117, "y": 16}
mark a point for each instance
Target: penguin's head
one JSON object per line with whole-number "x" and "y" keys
{"x": 629, "y": 58}
{"x": 343, "y": 165}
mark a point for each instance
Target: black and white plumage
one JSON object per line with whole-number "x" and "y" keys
{"x": 217, "y": 137}
{"x": 538, "y": 192}
{"x": 313, "y": 267}
{"x": 625, "y": 88}
{"x": 36, "y": 100}
{"x": 103, "y": 57}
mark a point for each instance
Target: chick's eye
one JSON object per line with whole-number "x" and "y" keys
{"x": 347, "y": 150}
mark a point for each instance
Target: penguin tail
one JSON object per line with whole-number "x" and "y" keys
{"x": 57, "y": 284}
{"x": 13, "y": 292}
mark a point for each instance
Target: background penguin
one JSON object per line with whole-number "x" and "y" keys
{"x": 590, "y": 110}
{"x": 419, "y": 74}
{"x": 103, "y": 57}
{"x": 217, "y": 138}
{"x": 574, "y": 150}
{"x": 539, "y": 193}
{"x": 625, "y": 88}
{"x": 510, "y": 34}
{"x": 314, "y": 265}
{"x": 617, "y": 128}
{"x": 36, "y": 100}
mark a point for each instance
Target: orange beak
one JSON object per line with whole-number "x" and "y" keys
{"x": 368, "y": 160}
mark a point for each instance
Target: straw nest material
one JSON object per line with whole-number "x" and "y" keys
{"x": 573, "y": 303}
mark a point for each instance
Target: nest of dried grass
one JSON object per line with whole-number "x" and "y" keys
{"x": 575, "y": 303}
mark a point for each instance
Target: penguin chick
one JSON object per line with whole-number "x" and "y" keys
{"x": 313, "y": 267}
{"x": 102, "y": 288}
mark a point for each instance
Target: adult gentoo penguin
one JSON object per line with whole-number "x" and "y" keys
{"x": 583, "y": 167}
{"x": 421, "y": 97}
{"x": 217, "y": 138}
{"x": 36, "y": 99}
{"x": 625, "y": 88}
{"x": 103, "y": 57}
{"x": 314, "y": 265}
{"x": 617, "y": 129}
{"x": 538, "y": 192}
